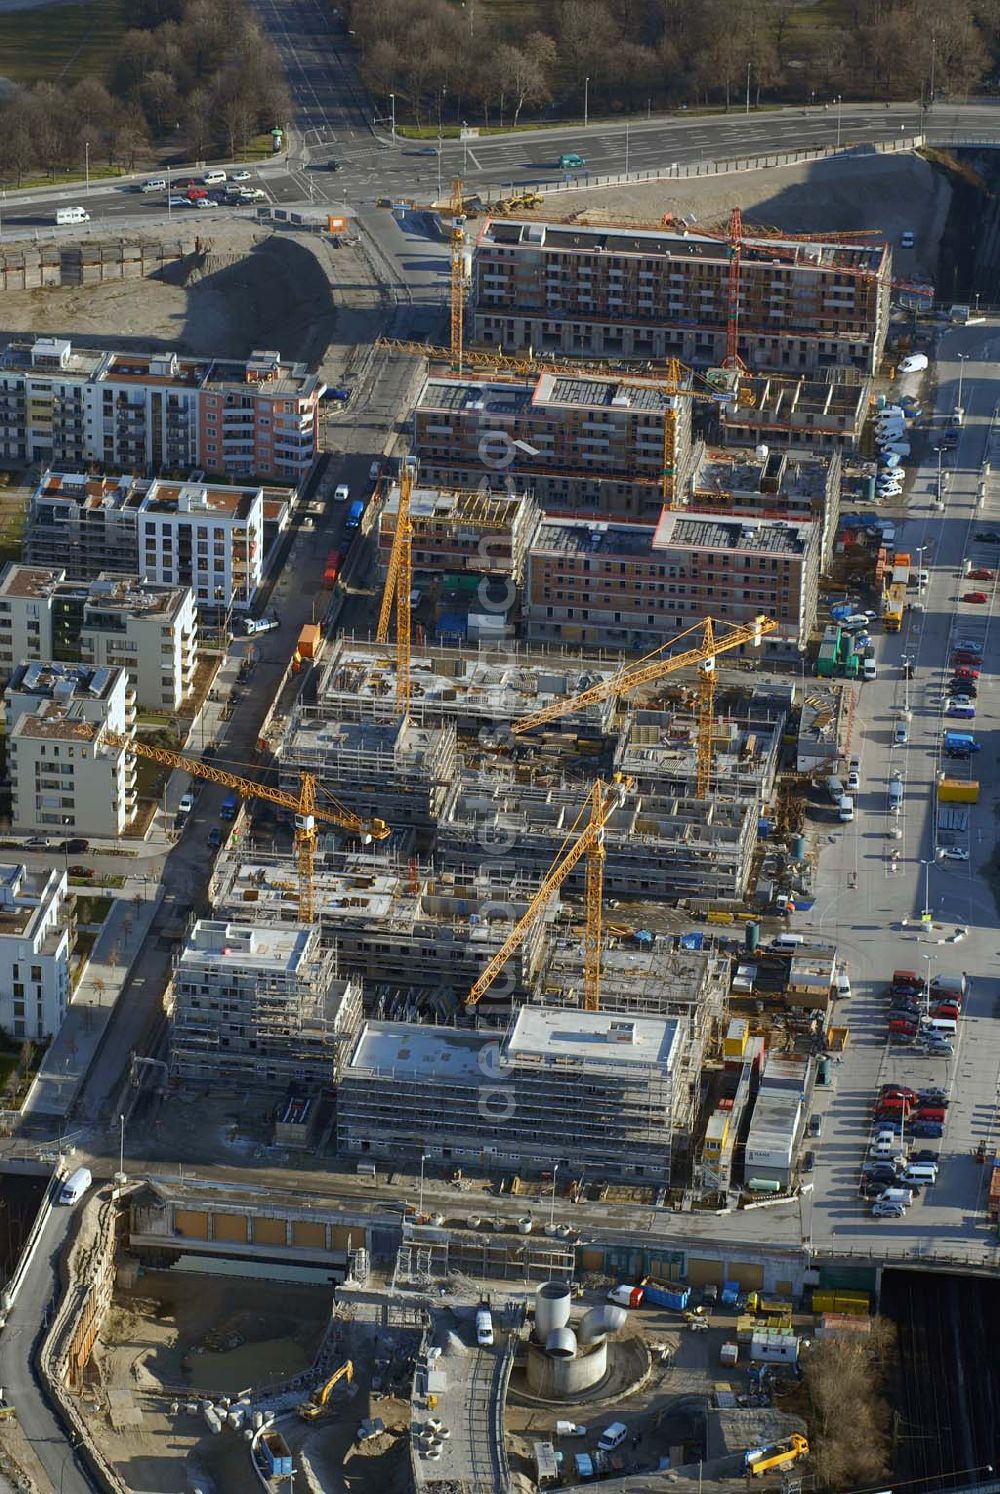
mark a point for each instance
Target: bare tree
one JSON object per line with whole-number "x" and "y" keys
{"x": 521, "y": 73}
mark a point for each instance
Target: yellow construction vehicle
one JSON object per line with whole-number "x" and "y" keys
{"x": 604, "y": 799}
{"x": 303, "y": 806}
{"x": 316, "y": 1404}
{"x": 779, "y": 1455}
{"x": 659, "y": 663}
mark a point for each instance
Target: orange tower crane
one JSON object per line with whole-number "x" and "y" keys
{"x": 603, "y": 800}
{"x": 303, "y": 806}
{"x": 653, "y": 667}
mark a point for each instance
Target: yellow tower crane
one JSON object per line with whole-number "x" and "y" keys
{"x": 653, "y": 667}
{"x": 398, "y": 585}
{"x": 458, "y": 276}
{"x": 604, "y": 799}
{"x": 303, "y": 806}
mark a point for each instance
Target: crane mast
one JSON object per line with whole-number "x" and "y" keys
{"x": 398, "y": 588}
{"x": 603, "y": 799}
{"x": 303, "y": 806}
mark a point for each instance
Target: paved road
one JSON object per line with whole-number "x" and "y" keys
{"x": 24, "y": 1324}
{"x": 371, "y": 165}
{"x": 868, "y": 920}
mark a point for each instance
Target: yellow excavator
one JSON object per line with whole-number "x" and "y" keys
{"x": 316, "y": 1404}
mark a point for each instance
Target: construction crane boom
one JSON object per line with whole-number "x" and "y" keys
{"x": 604, "y": 799}
{"x": 398, "y": 586}
{"x": 457, "y": 298}
{"x": 303, "y": 806}
{"x": 653, "y": 667}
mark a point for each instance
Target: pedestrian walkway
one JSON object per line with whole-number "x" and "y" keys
{"x": 73, "y": 1049}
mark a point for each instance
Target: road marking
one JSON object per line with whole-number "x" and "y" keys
{"x": 472, "y": 157}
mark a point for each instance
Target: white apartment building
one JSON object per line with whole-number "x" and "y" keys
{"x": 64, "y": 775}
{"x": 34, "y": 951}
{"x": 113, "y": 622}
{"x": 150, "y": 412}
{"x": 208, "y": 537}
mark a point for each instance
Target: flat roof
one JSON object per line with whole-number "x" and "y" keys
{"x": 690, "y": 244}
{"x": 744, "y": 473}
{"x": 28, "y": 580}
{"x": 591, "y": 537}
{"x": 64, "y": 682}
{"x": 442, "y": 1054}
{"x": 592, "y": 1039}
{"x": 466, "y": 506}
{"x": 775, "y": 1119}
{"x": 751, "y": 535}
{"x": 247, "y": 947}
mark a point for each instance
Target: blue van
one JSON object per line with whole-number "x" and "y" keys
{"x": 354, "y": 515}
{"x": 230, "y": 805}
{"x": 963, "y": 709}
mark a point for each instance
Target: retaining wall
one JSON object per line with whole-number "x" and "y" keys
{"x": 31, "y": 266}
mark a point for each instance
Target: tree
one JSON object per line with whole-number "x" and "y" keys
{"x": 521, "y": 72}
{"x": 17, "y": 148}
{"x": 161, "y": 102}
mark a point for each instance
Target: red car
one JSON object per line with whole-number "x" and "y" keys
{"x": 964, "y": 656}
{"x": 194, "y": 194}
{"x": 896, "y": 1092}
{"x": 982, "y": 574}
{"x": 184, "y": 182}
{"x": 975, "y": 596}
{"x": 966, "y": 672}
{"x": 948, "y": 1011}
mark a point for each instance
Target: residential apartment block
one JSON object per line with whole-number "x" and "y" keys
{"x": 765, "y": 484}
{"x": 208, "y": 536}
{"x": 257, "y": 1005}
{"x": 597, "y": 1088}
{"x": 632, "y": 587}
{"x": 35, "y": 951}
{"x": 637, "y": 293}
{"x": 462, "y": 531}
{"x": 581, "y": 444}
{"x": 64, "y": 774}
{"x": 797, "y": 414}
{"x": 150, "y": 412}
{"x": 149, "y": 630}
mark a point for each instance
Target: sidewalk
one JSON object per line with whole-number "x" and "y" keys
{"x": 73, "y": 1049}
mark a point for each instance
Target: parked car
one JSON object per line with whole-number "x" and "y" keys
{"x": 926, "y": 1128}
{"x": 978, "y": 597}
{"x": 915, "y": 362}
{"x": 243, "y": 175}
{"x": 901, "y": 734}
{"x": 953, "y": 853}
{"x": 809, "y": 1161}
{"x": 981, "y": 573}
{"x": 86, "y": 873}
{"x": 76, "y": 847}
{"x": 965, "y": 672}
{"x": 337, "y": 392}
{"x": 853, "y": 782}
{"x": 987, "y": 536}
{"x": 898, "y": 1090}
{"x": 37, "y": 843}
{"x": 886, "y": 1210}
{"x": 934, "y": 1096}
{"x": 186, "y": 804}
{"x": 215, "y": 837}
{"x": 815, "y": 1125}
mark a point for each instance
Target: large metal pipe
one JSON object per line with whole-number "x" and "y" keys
{"x": 600, "y": 1321}
{"x": 561, "y": 1343}
{"x": 552, "y": 1307}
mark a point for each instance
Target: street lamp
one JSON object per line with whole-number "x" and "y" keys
{"x": 424, "y": 1157}
{"x": 961, "y": 372}
{"x": 552, "y": 1202}
{"x": 626, "y": 147}
{"x": 86, "y": 164}
{"x": 121, "y": 1151}
{"x": 839, "y": 102}
{"x": 586, "y": 101}
{"x": 392, "y": 123}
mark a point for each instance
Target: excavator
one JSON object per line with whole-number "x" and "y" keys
{"x": 316, "y": 1404}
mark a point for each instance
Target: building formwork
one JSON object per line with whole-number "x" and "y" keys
{"x": 259, "y": 1005}
{"x": 411, "y": 936}
{"x": 657, "y": 846}
{"x": 596, "y": 1088}
{"x": 658, "y": 749}
{"x": 396, "y": 770}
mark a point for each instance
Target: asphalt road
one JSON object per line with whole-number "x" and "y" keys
{"x": 867, "y": 920}
{"x": 21, "y": 1390}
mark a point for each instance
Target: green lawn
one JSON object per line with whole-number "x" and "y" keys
{"x": 62, "y": 42}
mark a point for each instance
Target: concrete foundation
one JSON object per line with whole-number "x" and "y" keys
{"x": 556, "y": 1378}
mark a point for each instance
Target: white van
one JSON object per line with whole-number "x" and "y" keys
{"x": 787, "y": 943}
{"x": 895, "y": 794}
{"x": 901, "y": 448}
{"x": 612, "y": 1436}
{"x": 941, "y": 1026}
{"x": 896, "y": 1196}
{"x": 869, "y": 670}
{"x": 214, "y": 178}
{"x": 75, "y": 1186}
{"x": 835, "y": 789}
{"x": 155, "y": 184}
{"x": 484, "y": 1328}
{"x": 924, "y": 1173}
{"x": 845, "y": 809}
{"x": 72, "y": 215}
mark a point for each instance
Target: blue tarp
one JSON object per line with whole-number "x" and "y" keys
{"x": 692, "y": 941}
{"x": 451, "y": 625}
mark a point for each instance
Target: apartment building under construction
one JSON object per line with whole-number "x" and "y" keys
{"x": 579, "y": 443}
{"x": 259, "y": 1005}
{"x": 598, "y": 1088}
{"x": 610, "y": 292}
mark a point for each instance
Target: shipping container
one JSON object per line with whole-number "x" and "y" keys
{"x": 332, "y": 568}
{"x": 842, "y": 1302}
{"x": 277, "y": 1455}
{"x": 958, "y": 791}
{"x": 729, "y": 1354}
{"x": 309, "y": 641}
{"x": 658, "y": 1294}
